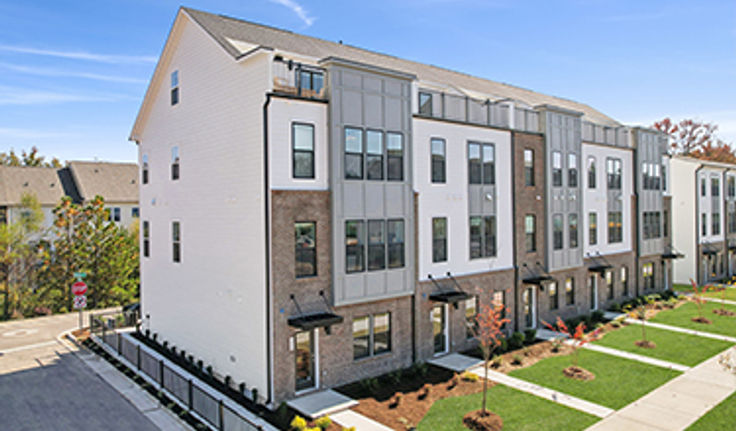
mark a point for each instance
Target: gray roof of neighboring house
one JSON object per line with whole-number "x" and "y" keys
{"x": 116, "y": 182}
{"x": 222, "y": 27}
{"x": 42, "y": 182}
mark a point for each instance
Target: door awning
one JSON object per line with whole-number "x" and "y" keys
{"x": 315, "y": 320}
{"x": 599, "y": 264}
{"x": 708, "y": 249}
{"x": 448, "y": 290}
{"x": 536, "y": 279}
{"x": 449, "y": 297}
{"x": 537, "y": 276}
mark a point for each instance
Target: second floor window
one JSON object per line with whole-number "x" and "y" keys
{"x": 528, "y": 167}
{"x": 593, "y": 228}
{"x": 176, "y": 241}
{"x": 385, "y": 242}
{"x": 731, "y": 186}
{"x": 715, "y": 187}
{"x": 395, "y": 243}
{"x": 116, "y": 214}
{"x": 354, "y": 246}
{"x": 395, "y": 156}
{"x": 703, "y": 187}
{"x": 482, "y": 237}
{"x": 144, "y": 169}
{"x": 376, "y": 245}
{"x": 481, "y": 163}
{"x": 530, "y": 233}
{"x": 374, "y": 155}
{"x": 305, "y": 251}
{"x": 302, "y": 136}
{"x": 615, "y": 227}
{"x": 572, "y": 170}
{"x": 175, "y": 163}
{"x": 613, "y": 173}
{"x": 731, "y": 222}
{"x": 591, "y": 173}
{"x": 146, "y": 238}
{"x": 438, "y": 160}
{"x": 572, "y": 221}
{"x": 425, "y": 103}
{"x": 556, "y": 169}
{"x": 715, "y": 219}
{"x": 174, "y": 87}
{"x": 439, "y": 239}
{"x": 557, "y": 232}
{"x": 135, "y": 212}
{"x": 353, "y": 153}
{"x": 393, "y": 168}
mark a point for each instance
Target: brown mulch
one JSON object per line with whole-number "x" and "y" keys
{"x": 81, "y": 334}
{"x": 646, "y": 344}
{"x": 578, "y": 373}
{"x": 701, "y": 320}
{"x": 483, "y": 421}
{"x": 530, "y": 355}
{"x": 723, "y": 312}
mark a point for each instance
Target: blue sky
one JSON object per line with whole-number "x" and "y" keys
{"x": 73, "y": 72}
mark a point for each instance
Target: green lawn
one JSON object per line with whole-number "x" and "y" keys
{"x": 682, "y": 288}
{"x": 721, "y": 417}
{"x": 730, "y": 294}
{"x": 617, "y": 382}
{"x": 675, "y": 347}
{"x": 519, "y": 411}
{"x": 681, "y": 316}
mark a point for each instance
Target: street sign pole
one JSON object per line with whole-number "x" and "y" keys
{"x": 79, "y": 288}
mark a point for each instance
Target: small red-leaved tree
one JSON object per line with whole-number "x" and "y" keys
{"x": 698, "y": 293}
{"x": 488, "y": 331}
{"x": 722, "y": 311}
{"x": 579, "y": 339}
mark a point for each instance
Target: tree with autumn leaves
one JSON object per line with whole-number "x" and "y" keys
{"x": 579, "y": 338}
{"x": 697, "y": 139}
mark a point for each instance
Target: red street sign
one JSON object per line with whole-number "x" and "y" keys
{"x": 79, "y": 288}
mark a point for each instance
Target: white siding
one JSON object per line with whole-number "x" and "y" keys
{"x": 450, "y": 200}
{"x": 213, "y": 303}
{"x": 684, "y": 221}
{"x": 705, "y": 205}
{"x": 126, "y": 212}
{"x": 281, "y": 114}
{"x": 596, "y": 200}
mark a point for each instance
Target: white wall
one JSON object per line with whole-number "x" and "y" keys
{"x": 213, "y": 303}
{"x": 126, "y": 212}
{"x": 282, "y": 113}
{"x": 684, "y": 222}
{"x": 705, "y": 205}
{"x": 450, "y": 199}
{"x": 597, "y": 199}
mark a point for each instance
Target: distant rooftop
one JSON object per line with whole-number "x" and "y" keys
{"x": 18, "y": 180}
{"x": 116, "y": 182}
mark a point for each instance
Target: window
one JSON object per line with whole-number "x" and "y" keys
{"x": 471, "y": 311}
{"x": 652, "y": 225}
{"x": 353, "y": 153}
{"x": 395, "y": 243}
{"x": 609, "y": 284}
{"x": 572, "y": 170}
{"x": 613, "y": 171}
{"x": 664, "y": 176}
{"x": 438, "y": 160}
{"x": 615, "y": 227}
{"x": 311, "y": 82}
{"x": 593, "y": 228}
{"x": 715, "y": 187}
{"x": 570, "y": 291}
{"x": 425, "y": 103}
{"x": 371, "y": 335}
{"x": 175, "y": 163}
{"x": 624, "y": 280}
{"x": 645, "y": 175}
{"x": 591, "y": 173}
{"x": 354, "y": 246}
{"x": 572, "y": 221}
{"x": 704, "y": 224}
{"x": 715, "y": 223}
{"x": 305, "y": 252}
{"x": 395, "y": 151}
{"x": 530, "y": 233}
{"x": 176, "y": 241}
{"x": 529, "y": 167}
{"x": 481, "y": 163}
{"x": 174, "y": 87}
{"x": 439, "y": 239}
{"x": 731, "y": 186}
{"x": 665, "y": 223}
{"x": 482, "y": 237}
{"x": 374, "y": 155}
{"x": 146, "y": 239}
{"x": 647, "y": 273}
{"x": 144, "y": 169}
{"x": 554, "y": 296}
{"x": 376, "y": 245}
{"x": 557, "y": 229}
{"x": 703, "y": 189}
{"x": 731, "y": 222}
{"x": 556, "y": 169}
{"x": 135, "y": 212}
{"x": 116, "y": 214}
{"x": 302, "y": 136}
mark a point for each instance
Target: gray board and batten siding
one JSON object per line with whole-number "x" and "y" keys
{"x": 369, "y": 98}
{"x": 650, "y": 148}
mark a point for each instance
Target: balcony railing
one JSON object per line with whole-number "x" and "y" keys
{"x": 299, "y": 80}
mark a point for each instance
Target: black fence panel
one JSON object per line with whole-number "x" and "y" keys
{"x": 176, "y": 384}
{"x": 232, "y": 421}
{"x": 206, "y": 406}
{"x": 130, "y": 351}
{"x": 111, "y": 339}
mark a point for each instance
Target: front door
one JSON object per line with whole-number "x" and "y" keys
{"x": 439, "y": 328}
{"x": 593, "y": 289}
{"x": 305, "y": 361}
{"x": 665, "y": 276}
{"x": 530, "y": 309}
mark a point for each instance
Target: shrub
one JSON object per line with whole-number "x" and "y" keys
{"x": 615, "y": 324}
{"x": 209, "y": 369}
{"x": 469, "y": 377}
{"x": 517, "y": 360}
{"x": 615, "y": 307}
{"x": 597, "y": 316}
{"x": 516, "y": 341}
{"x": 504, "y": 347}
{"x": 395, "y": 377}
{"x": 529, "y": 336}
{"x": 323, "y": 423}
{"x": 298, "y": 423}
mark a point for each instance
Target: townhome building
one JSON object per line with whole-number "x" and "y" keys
{"x": 314, "y": 213}
{"x": 16, "y": 181}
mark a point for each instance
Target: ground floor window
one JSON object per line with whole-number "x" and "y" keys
{"x": 624, "y": 280}
{"x": 554, "y": 297}
{"x": 609, "y": 284}
{"x": 647, "y": 273}
{"x": 371, "y": 335}
{"x": 471, "y": 311}
{"x": 570, "y": 291}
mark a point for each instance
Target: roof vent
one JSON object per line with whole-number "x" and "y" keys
{"x": 25, "y": 184}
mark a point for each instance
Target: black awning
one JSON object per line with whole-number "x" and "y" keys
{"x": 599, "y": 268}
{"x": 732, "y": 247}
{"x": 672, "y": 255}
{"x": 449, "y": 297}
{"x": 536, "y": 279}
{"x": 709, "y": 250}
{"x": 317, "y": 320}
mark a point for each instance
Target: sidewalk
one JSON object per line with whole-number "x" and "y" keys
{"x": 676, "y": 404}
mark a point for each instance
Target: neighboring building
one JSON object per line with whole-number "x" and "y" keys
{"x": 44, "y": 183}
{"x": 353, "y": 210}
{"x": 116, "y": 182}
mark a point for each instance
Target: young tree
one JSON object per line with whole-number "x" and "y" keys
{"x": 30, "y": 158}
{"x": 579, "y": 337}
{"x": 698, "y": 293}
{"x": 640, "y": 312}
{"x": 487, "y": 329}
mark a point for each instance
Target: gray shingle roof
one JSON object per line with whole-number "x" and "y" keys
{"x": 116, "y": 182}
{"x": 17, "y": 180}
{"x": 222, "y": 27}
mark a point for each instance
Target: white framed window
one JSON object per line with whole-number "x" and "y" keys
{"x": 174, "y": 88}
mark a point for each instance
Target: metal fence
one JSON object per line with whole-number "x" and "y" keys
{"x": 189, "y": 393}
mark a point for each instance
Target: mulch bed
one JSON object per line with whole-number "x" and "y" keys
{"x": 81, "y": 334}
{"x": 701, "y": 320}
{"x": 578, "y": 373}
{"x": 646, "y": 344}
{"x": 482, "y": 421}
{"x": 723, "y": 312}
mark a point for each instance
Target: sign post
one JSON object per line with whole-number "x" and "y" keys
{"x": 79, "y": 288}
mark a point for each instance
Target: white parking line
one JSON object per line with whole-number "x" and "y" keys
{"x": 27, "y": 347}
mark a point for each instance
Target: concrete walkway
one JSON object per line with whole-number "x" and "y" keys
{"x": 684, "y": 330}
{"x": 456, "y": 362}
{"x": 636, "y": 357}
{"x": 321, "y": 403}
{"x": 727, "y": 302}
{"x": 350, "y": 418}
{"x": 676, "y": 404}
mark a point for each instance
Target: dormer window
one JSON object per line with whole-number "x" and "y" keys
{"x": 175, "y": 163}
{"x": 174, "y": 87}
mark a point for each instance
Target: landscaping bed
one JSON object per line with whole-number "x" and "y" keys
{"x": 524, "y": 357}
{"x": 607, "y": 388}
{"x": 682, "y": 316}
{"x": 671, "y": 346}
{"x": 518, "y": 410}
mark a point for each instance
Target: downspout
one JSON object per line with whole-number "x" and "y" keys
{"x": 513, "y": 229}
{"x": 698, "y": 233}
{"x": 267, "y": 222}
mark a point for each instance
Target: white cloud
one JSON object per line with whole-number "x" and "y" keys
{"x": 297, "y": 9}
{"x": 22, "y": 96}
{"x": 46, "y": 71}
{"x": 81, "y": 55}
